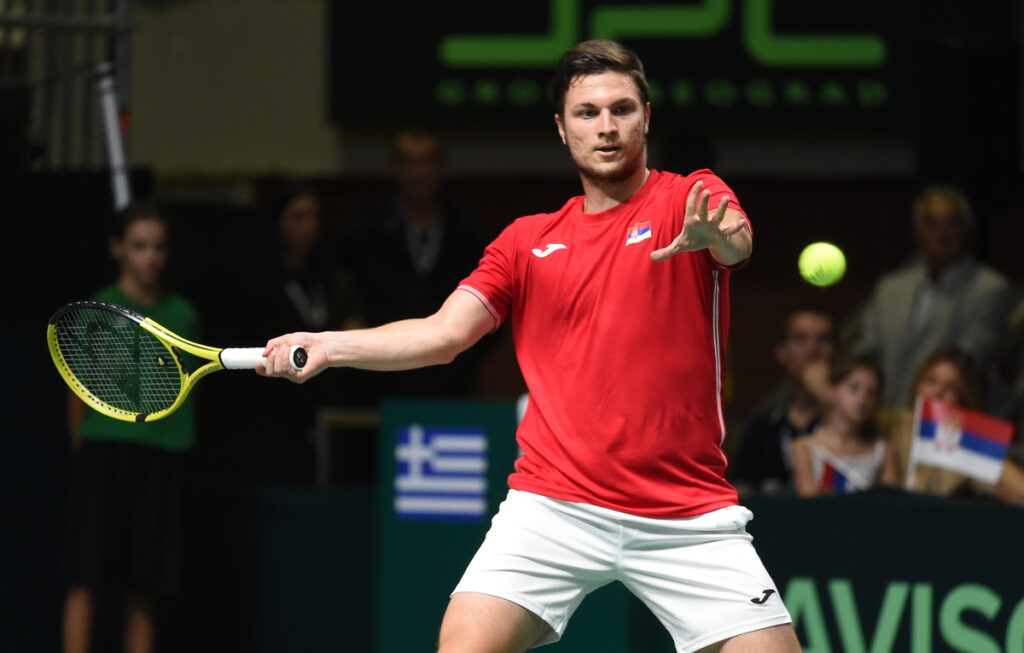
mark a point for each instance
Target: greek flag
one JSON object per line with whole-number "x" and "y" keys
{"x": 442, "y": 473}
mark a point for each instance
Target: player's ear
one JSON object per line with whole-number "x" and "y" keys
{"x": 647, "y": 116}
{"x": 561, "y": 128}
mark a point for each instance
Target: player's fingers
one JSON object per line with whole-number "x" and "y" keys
{"x": 277, "y": 360}
{"x": 273, "y": 344}
{"x": 702, "y": 210}
{"x": 661, "y": 254}
{"x": 723, "y": 206}
{"x": 691, "y": 199}
{"x": 732, "y": 229}
{"x": 667, "y": 252}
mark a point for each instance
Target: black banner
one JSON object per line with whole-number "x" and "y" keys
{"x": 472, "y": 64}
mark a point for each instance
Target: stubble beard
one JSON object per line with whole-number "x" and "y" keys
{"x": 627, "y": 168}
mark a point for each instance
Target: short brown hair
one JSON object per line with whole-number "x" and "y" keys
{"x": 133, "y": 212}
{"x": 593, "y": 58}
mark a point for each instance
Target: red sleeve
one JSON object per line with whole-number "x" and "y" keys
{"x": 718, "y": 188}
{"x": 492, "y": 281}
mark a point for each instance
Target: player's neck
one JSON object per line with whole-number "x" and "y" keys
{"x": 140, "y": 293}
{"x": 600, "y": 195}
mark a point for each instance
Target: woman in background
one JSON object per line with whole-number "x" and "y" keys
{"x": 949, "y": 375}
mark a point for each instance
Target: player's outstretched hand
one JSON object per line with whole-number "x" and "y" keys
{"x": 700, "y": 230}
{"x": 279, "y": 349}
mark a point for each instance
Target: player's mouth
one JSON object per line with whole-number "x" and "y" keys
{"x": 608, "y": 150}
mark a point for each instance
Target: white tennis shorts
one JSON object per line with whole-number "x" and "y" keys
{"x": 700, "y": 576}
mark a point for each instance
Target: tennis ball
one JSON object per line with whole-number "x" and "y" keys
{"x": 822, "y": 264}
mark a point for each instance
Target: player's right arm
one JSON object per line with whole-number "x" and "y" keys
{"x": 403, "y": 345}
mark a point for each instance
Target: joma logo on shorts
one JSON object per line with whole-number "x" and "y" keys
{"x": 762, "y": 599}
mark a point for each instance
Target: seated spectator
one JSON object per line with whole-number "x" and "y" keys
{"x": 949, "y": 375}
{"x": 764, "y": 461}
{"x": 845, "y": 453}
{"x": 942, "y": 297}
{"x": 1009, "y": 382}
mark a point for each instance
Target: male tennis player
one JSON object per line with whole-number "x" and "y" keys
{"x": 619, "y": 305}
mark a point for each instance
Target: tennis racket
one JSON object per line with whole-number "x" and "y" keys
{"x": 131, "y": 368}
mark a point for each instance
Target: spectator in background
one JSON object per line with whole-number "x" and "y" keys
{"x": 127, "y": 513}
{"x": 295, "y": 284}
{"x": 949, "y": 375}
{"x": 764, "y": 461}
{"x": 942, "y": 297}
{"x": 845, "y": 453}
{"x": 412, "y": 252}
{"x": 1009, "y": 383}
{"x": 313, "y": 292}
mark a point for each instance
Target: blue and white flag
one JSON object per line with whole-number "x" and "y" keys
{"x": 442, "y": 473}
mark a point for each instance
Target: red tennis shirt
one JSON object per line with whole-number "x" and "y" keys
{"x": 623, "y": 356}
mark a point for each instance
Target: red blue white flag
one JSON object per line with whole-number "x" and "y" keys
{"x": 834, "y": 481}
{"x": 958, "y": 439}
{"x": 639, "y": 231}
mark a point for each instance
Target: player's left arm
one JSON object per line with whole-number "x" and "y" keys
{"x": 724, "y": 232}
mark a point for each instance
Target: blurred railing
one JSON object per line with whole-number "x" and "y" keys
{"x": 53, "y": 54}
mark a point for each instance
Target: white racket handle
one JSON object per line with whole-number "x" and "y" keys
{"x": 245, "y": 358}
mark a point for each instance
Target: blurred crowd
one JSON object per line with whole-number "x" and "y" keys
{"x": 847, "y": 414}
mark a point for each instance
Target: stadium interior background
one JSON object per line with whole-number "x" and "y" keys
{"x": 223, "y": 102}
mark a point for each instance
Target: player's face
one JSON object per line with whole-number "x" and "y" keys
{"x": 142, "y": 252}
{"x": 808, "y": 339}
{"x": 605, "y": 127}
{"x": 856, "y": 396}
{"x": 942, "y": 381}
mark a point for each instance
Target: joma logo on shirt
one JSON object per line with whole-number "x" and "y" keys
{"x": 548, "y": 249}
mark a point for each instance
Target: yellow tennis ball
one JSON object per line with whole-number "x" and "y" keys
{"x": 822, "y": 264}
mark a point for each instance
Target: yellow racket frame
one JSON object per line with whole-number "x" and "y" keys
{"x": 175, "y": 345}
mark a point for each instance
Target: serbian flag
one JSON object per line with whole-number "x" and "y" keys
{"x": 833, "y": 481}
{"x": 639, "y": 231}
{"x": 958, "y": 439}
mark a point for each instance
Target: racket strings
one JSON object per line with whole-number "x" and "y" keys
{"x": 118, "y": 361}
